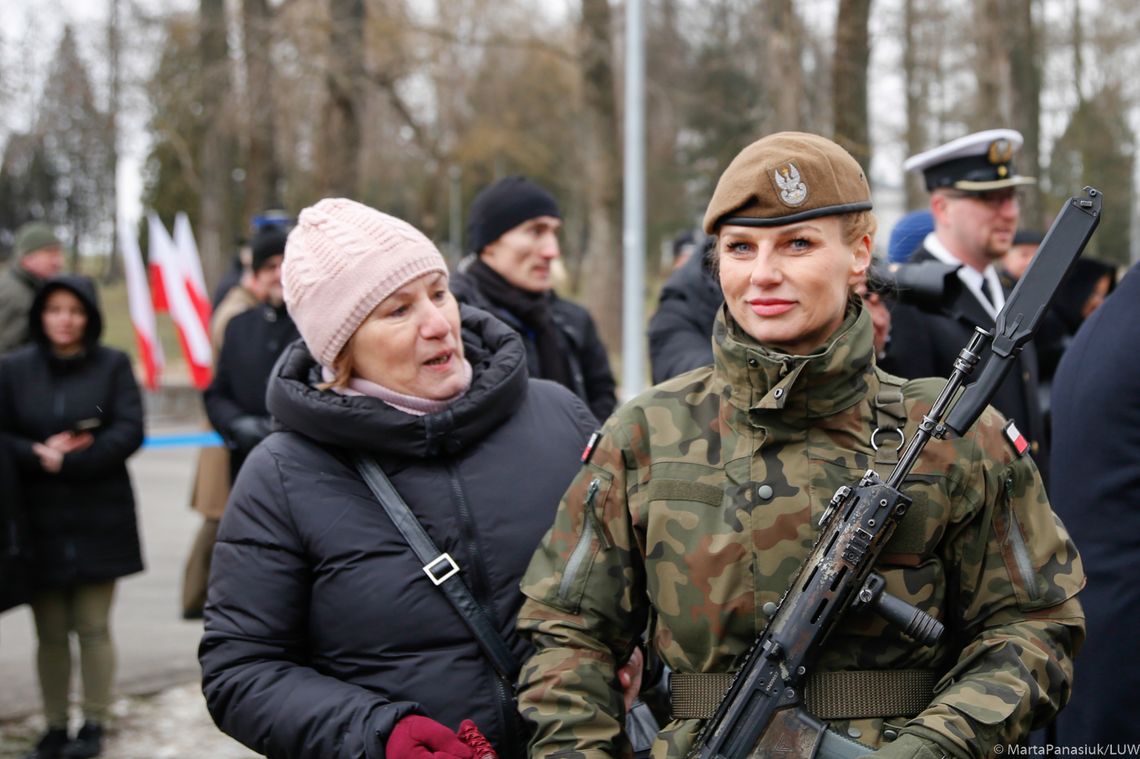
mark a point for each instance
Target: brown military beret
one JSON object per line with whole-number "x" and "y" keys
{"x": 785, "y": 178}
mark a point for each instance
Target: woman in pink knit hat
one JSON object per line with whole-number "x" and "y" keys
{"x": 325, "y": 634}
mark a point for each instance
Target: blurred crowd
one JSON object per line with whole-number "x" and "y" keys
{"x": 389, "y": 423}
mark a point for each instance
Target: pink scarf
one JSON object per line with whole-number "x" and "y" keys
{"x": 409, "y": 404}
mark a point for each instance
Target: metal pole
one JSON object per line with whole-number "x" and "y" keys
{"x": 633, "y": 212}
{"x": 455, "y": 223}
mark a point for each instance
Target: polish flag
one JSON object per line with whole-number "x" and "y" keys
{"x": 141, "y": 308}
{"x": 192, "y": 267}
{"x": 176, "y": 279}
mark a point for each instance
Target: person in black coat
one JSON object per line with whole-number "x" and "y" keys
{"x": 973, "y": 198}
{"x": 235, "y": 399}
{"x": 15, "y": 579}
{"x": 71, "y": 414}
{"x": 1096, "y": 476}
{"x": 680, "y": 331}
{"x": 324, "y": 635}
{"x": 512, "y": 231}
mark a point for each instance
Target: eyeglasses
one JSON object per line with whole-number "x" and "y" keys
{"x": 991, "y": 198}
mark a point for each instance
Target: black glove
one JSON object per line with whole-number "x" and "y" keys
{"x": 248, "y": 431}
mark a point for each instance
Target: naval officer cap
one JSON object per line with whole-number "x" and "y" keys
{"x": 786, "y": 178}
{"x": 978, "y": 162}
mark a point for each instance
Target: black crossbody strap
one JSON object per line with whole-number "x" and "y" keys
{"x": 440, "y": 568}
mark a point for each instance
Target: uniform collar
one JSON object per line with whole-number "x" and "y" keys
{"x": 766, "y": 385}
{"x": 970, "y": 277}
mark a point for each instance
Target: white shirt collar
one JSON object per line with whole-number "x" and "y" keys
{"x": 971, "y": 277}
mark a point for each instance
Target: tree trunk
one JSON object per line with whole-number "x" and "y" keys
{"x": 113, "y": 269}
{"x": 215, "y": 157}
{"x": 340, "y": 123}
{"x": 602, "y": 260}
{"x": 261, "y": 171}
{"x": 849, "y": 80}
{"x": 784, "y": 56}
{"x": 1025, "y": 75}
{"x": 992, "y": 64}
{"x": 915, "y": 83}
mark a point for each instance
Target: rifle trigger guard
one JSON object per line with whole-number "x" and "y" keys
{"x": 889, "y": 431}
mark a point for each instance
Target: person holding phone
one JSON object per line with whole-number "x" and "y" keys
{"x": 70, "y": 416}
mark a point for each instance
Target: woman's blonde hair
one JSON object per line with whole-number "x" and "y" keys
{"x": 341, "y": 369}
{"x": 854, "y": 225}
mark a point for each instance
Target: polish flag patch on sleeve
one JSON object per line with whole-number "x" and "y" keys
{"x": 1015, "y": 438}
{"x": 591, "y": 444}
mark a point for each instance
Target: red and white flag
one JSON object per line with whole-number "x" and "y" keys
{"x": 192, "y": 268}
{"x": 141, "y": 308}
{"x": 192, "y": 326}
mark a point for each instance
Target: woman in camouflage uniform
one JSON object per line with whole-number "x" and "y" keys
{"x": 702, "y": 498}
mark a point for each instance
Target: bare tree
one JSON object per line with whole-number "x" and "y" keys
{"x": 261, "y": 171}
{"x": 74, "y": 134}
{"x": 849, "y": 79}
{"x": 1025, "y": 92}
{"x": 215, "y": 158}
{"x": 914, "y": 81}
{"x": 340, "y": 123}
{"x": 112, "y": 268}
{"x": 991, "y": 64}
{"x": 783, "y": 59}
{"x": 601, "y": 263}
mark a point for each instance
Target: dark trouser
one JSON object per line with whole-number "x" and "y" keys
{"x": 84, "y": 610}
{"x": 197, "y": 574}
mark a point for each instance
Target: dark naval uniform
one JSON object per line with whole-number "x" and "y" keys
{"x": 925, "y": 344}
{"x": 978, "y": 167}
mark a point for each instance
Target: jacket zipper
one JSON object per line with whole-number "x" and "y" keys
{"x": 479, "y": 589}
{"x": 582, "y": 548}
{"x": 1020, "y": 550}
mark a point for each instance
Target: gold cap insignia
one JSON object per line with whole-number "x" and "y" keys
{"x": 1001, "y": 151}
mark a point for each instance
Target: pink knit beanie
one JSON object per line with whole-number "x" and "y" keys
{"x": 341, "y": 260}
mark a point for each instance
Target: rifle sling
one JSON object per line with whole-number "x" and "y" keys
{"x": 852, "y": 694}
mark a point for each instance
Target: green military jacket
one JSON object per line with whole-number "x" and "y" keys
{"x": 700, "y": 503}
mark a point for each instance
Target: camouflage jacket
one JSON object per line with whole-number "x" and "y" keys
{"x": 671, "y": 517}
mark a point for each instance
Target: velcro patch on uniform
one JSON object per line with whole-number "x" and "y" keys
{"x": 1013, "y": 435}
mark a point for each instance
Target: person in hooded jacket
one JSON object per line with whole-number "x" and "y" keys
{"x": 324, "y": 635}
{"x": 71, "y": 414}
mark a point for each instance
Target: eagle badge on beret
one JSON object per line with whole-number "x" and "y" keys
{"x": 793, "y": 192}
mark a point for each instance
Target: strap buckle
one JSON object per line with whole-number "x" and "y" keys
{"x": 448, "y": 564}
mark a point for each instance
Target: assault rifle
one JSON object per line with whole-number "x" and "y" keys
{"x": 763, "y": 713}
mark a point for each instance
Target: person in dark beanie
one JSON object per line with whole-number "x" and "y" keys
{"x": 235, "y": 399}
{"x": 36, "y": 257}
{"x": 512, "y": 233}
{"x": 71, "y": 415}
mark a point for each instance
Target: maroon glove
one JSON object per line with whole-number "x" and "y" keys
{"x": 469, "y": 733}
{"x": 416, "y": 737}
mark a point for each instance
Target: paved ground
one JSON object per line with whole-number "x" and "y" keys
{"x": 156, "y": 648}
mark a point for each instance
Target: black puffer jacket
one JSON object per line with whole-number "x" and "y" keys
{"x": 592, "y": 379}
{"x": 81, "y": 520}
{"x": 680, "y": 332}
{"x": 254, "y": 339}
{"x": 322, "y": 630}
{"x": 15, "y": 577}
